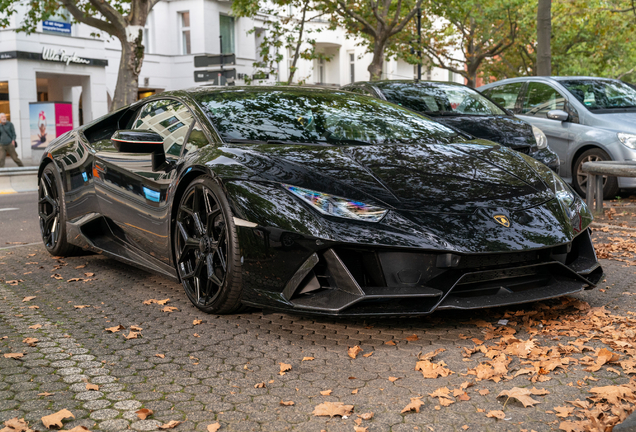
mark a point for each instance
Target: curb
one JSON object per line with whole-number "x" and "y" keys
{"x": 629, "y": 425}
{"x": 18, "y": 179}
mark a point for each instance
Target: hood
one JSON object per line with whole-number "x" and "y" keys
{"x": 432, "y": 178}
{"x": 506, "y": 130}
{"x": 619, "y": 122}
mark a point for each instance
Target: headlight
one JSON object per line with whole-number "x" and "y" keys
{"x": 337, "y": 206}
{"x": 628, "y": 139}
{"x": 539, "y": 136}
{"x": 562, "y": 191}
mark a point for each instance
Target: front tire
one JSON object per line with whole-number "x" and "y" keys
{"x": 206, "y": 248}
{"x": 52, "y": 213}
{"x": 610, "y": 184}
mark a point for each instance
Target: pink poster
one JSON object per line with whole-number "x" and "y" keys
{"x": 63, "y": 118}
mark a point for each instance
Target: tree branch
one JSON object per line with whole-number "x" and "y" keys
{"x": 110, "y": 13}
{"x": 80, "y": 16}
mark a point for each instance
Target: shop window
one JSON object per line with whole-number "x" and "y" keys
{"x": 4, "y": 99}
{"x": 184, "y": 24}
{"x": 227, "y": 33}
{"x": 352, "y": 67}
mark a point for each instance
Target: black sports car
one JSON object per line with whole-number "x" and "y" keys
{"x": 313, "y": 201}
{"x": 465, "y": 109}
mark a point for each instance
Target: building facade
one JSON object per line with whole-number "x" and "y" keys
{"x": 69, "y": 63}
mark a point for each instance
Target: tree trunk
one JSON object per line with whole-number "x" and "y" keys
{"x": 132, "y": 57}
{"x": 544, "y": 33}
{"x": 375, "y": 68}
{"x": 292, "y": 70}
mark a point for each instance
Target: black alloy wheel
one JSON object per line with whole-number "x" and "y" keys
{"x": 52, "y": 215}
{"x": 610, "y": 184}
{"x": 206, "y": 248}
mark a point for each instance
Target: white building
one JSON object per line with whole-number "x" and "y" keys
{"x": 61, "y": 62}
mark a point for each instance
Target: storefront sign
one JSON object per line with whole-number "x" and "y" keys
{"x": 56, "y": 26}
{"x": 62, "y": 57}
{"x": 23, "y": 55}
{"x": 49, "y": 120}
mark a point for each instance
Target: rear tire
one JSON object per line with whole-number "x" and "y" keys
{"x": 52, "y": 213}
{"x": 579, "y": 178}
{"x": 206, "y": 248}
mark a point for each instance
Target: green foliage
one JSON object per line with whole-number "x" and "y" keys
{"x": 287, "y": 27}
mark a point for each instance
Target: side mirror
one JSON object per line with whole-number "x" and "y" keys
{"x": 559, "y": 115}
{"x": 137, "y": 141}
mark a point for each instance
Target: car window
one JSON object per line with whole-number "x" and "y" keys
{"x": 170, "y": 119}
{"x": 505, "y": 95}
{"x": 360, "y": 90}
{"x": 196, "y": 139}
{"x": 440, "y": 99}
{"x": 541, "y": 98}
{"x": 601, "y": 94}
{"x": 310, "y": 116}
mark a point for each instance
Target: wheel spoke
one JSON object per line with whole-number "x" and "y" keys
{"x": 219, "y": 252}
{"x": 195, "y": 270}
{"x": 198, "y": 225}
{"x": 210, "y": 221}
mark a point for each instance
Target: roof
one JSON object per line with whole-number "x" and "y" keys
{"x": 411, "y": 81}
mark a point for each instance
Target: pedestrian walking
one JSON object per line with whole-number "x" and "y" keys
{"x": 8, "y": 141}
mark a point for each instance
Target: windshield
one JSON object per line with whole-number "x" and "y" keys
{"x": 310, "y": 116}
{"x": 602, "y": 95}
{"x": 440, "y": 99}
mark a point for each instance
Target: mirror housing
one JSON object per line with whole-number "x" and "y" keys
{"x": 137, "y": 141}
{"x": 559, "y": 115}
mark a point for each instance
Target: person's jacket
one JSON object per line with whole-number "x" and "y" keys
{"x": 7, "y": 133}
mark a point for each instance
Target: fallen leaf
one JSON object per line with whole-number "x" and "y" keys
{"x": 46, "y": 394}
{"x": 132, "y": 335}
{"x": 35, "y": 326}
{"x": 432, "y": 370}
{"x": 26, "y": 299}
{"x": 564, "y": 412}
{"x": 307, "y": 359}
{"x": 353, "y": 352}
{"x": 284, "y": 367}
{"x": 159, "y": 302}
{"x": 196, "y": 335}
{"x": 412, "y": 338}
{"x": 574, "y": 426}
{"x": 368, "y": 354}
{"x": 92, "y": 387}
{"x": 394, "y": 379}
{"x": 259, "y": 385}
{"x": 287, "y": 403}
{"x": 135, "y": 328}
{"x": 326, "y": 392}
{"x": 366, "y": 416}
{"x": 160, "y": 355}
{"x": 80, "y": 266}
{"x": 214, "y": 427}
{"x": 521, "y": 394}
{"x": 75, "y": 280}
{"x": 81, "y": 306}
{"x": 333, "y": 409}
{"x": 57, "y": 276}
{"x": 56, "y": 419}
{"x": 360, "y": 429}
{"x": 389, "y": 343}
{"x": 197, "y": 322}
{"x": 465, "y": 427}
{"x": 14, "y": 355}
{"x": 496, "y": 414}
{"x": 613, "y": 394}
{"x": 415, "y": 405}
{"x": 171, "y": 424}
{"x": 115, "y": 329}
{"x": 34, "y": 307}
{"x": 89, "y": 274}
{"x": 79, "y": 429}
{"x": 30, "y": 341}
{"x": 484, "y": 392}
{"x": 169, "y": 309}
{"x": 15, "y": 425}
{"x": 143, "y": 413}
{"x": 354, "y": 391}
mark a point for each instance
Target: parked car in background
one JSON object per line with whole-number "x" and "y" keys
{"x": 464, "y": 109}
{"x": 585, "y": 119}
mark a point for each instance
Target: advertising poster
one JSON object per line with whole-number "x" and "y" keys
{"x": 48, "y": 120}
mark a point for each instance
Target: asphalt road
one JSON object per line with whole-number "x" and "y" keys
{"x": 19, "y": 219}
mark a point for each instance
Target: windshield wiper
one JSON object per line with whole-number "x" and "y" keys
{"x": 243, "y": 141}
{"x": 290, "y": 142}
{"x": 349, "y": 141}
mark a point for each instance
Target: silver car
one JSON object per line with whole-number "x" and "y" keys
{"x": 584, "y": 118}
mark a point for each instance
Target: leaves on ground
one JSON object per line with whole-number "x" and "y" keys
{"x": 354, "y": 351}
{"x": 197, "y": 322}
{"x": 287, "y": 403}
{"x": 214, "y": 427}
{"x": 259, "y": 385}
{"x": 284, "y": 367}
{"x": 35, "y": 326}
{"x": 116, "y": 328}
{"x": 171, "y": 424}
{"x": 81, "y": 306}
{"x": 92, "y": 386}
{"x": 412, "y": 338}
{"x": 307, "y": 359}
{"x": 332, "y": 409}
{"x": 326, "y": 392}
{"x": 169, "y": 309}
{"x": 498, "y": 414}
{"x": 26, "y": 299}
{"x": 30, "y": 341}
{"x": 144, "y": 413}
{"x": 13, "y": 355}
{"x": 56, "y": 419}
{"x": 160, "y": 355}
{"x": 520, "y": 394}
{"x": 159, "y": 302}
{"x": 132, "y": 335}
{"x": 16, "y": 425}
{"x": 135, "y": 328}
{"x": 414, "y": 405}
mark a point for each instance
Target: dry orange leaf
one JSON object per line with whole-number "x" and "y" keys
{"x": 56, "y": 419}
{"x": 368, "y": 354}
{"x": 144, "y": 413}
{"x": 366, "y": 416}
{"x": 132, "y": 335}
{"x": 14, "y": 355}
{"x": 564, "y": 412}
{"x": 354, "y": 391}
{"x": 307, "y": 359}
{"x": 259, "y": 385}
{"x": 394, "y": 379}
{"x": 353, "y": 352}
{"x": 169, "y": 309}
{"x": 26, "y": 299}
{"x": 115, "y": 329}
{"x": 465, "y": 427}
{"x": 415, "y": 405}
{"x": 160, "y": 355}
{"x": 360, "y": 429}
{"x": 81, "y": 306}
{"x": 79, "y": 429}
{"x": 89, "y": 274}
{"x": 332, "y": 409}
{"x": 287, "y": 403}
{"x": 412, "y": 338}
{"x": 432, "y": 370}
{"x": 498, "y": 414}
{"x": 389, "y": 343}
{"x": 46, "y": 394}
{"x": 15, "y": 425}
{"x": 521, "y": 394}
{"x": 197, "y": 322}
{"x": 92, "y": 386}
{"x": 484, "y": 392}
{"x": 171, "y": 424}
{"x": 35, "y": 326}
{"x": 75, "y": 280}
{"x": 159, "y": 302}
{"x": 135, "y": 328}
{"x": 80, "y": 266}
{"x": 34, "y": 307}
{"x": 30, "y": 341}
{"x": 214, "y": 427}
{"x": 284, "y": 367}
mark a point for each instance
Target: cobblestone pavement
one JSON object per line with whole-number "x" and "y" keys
{"x": 208, "y": 372}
